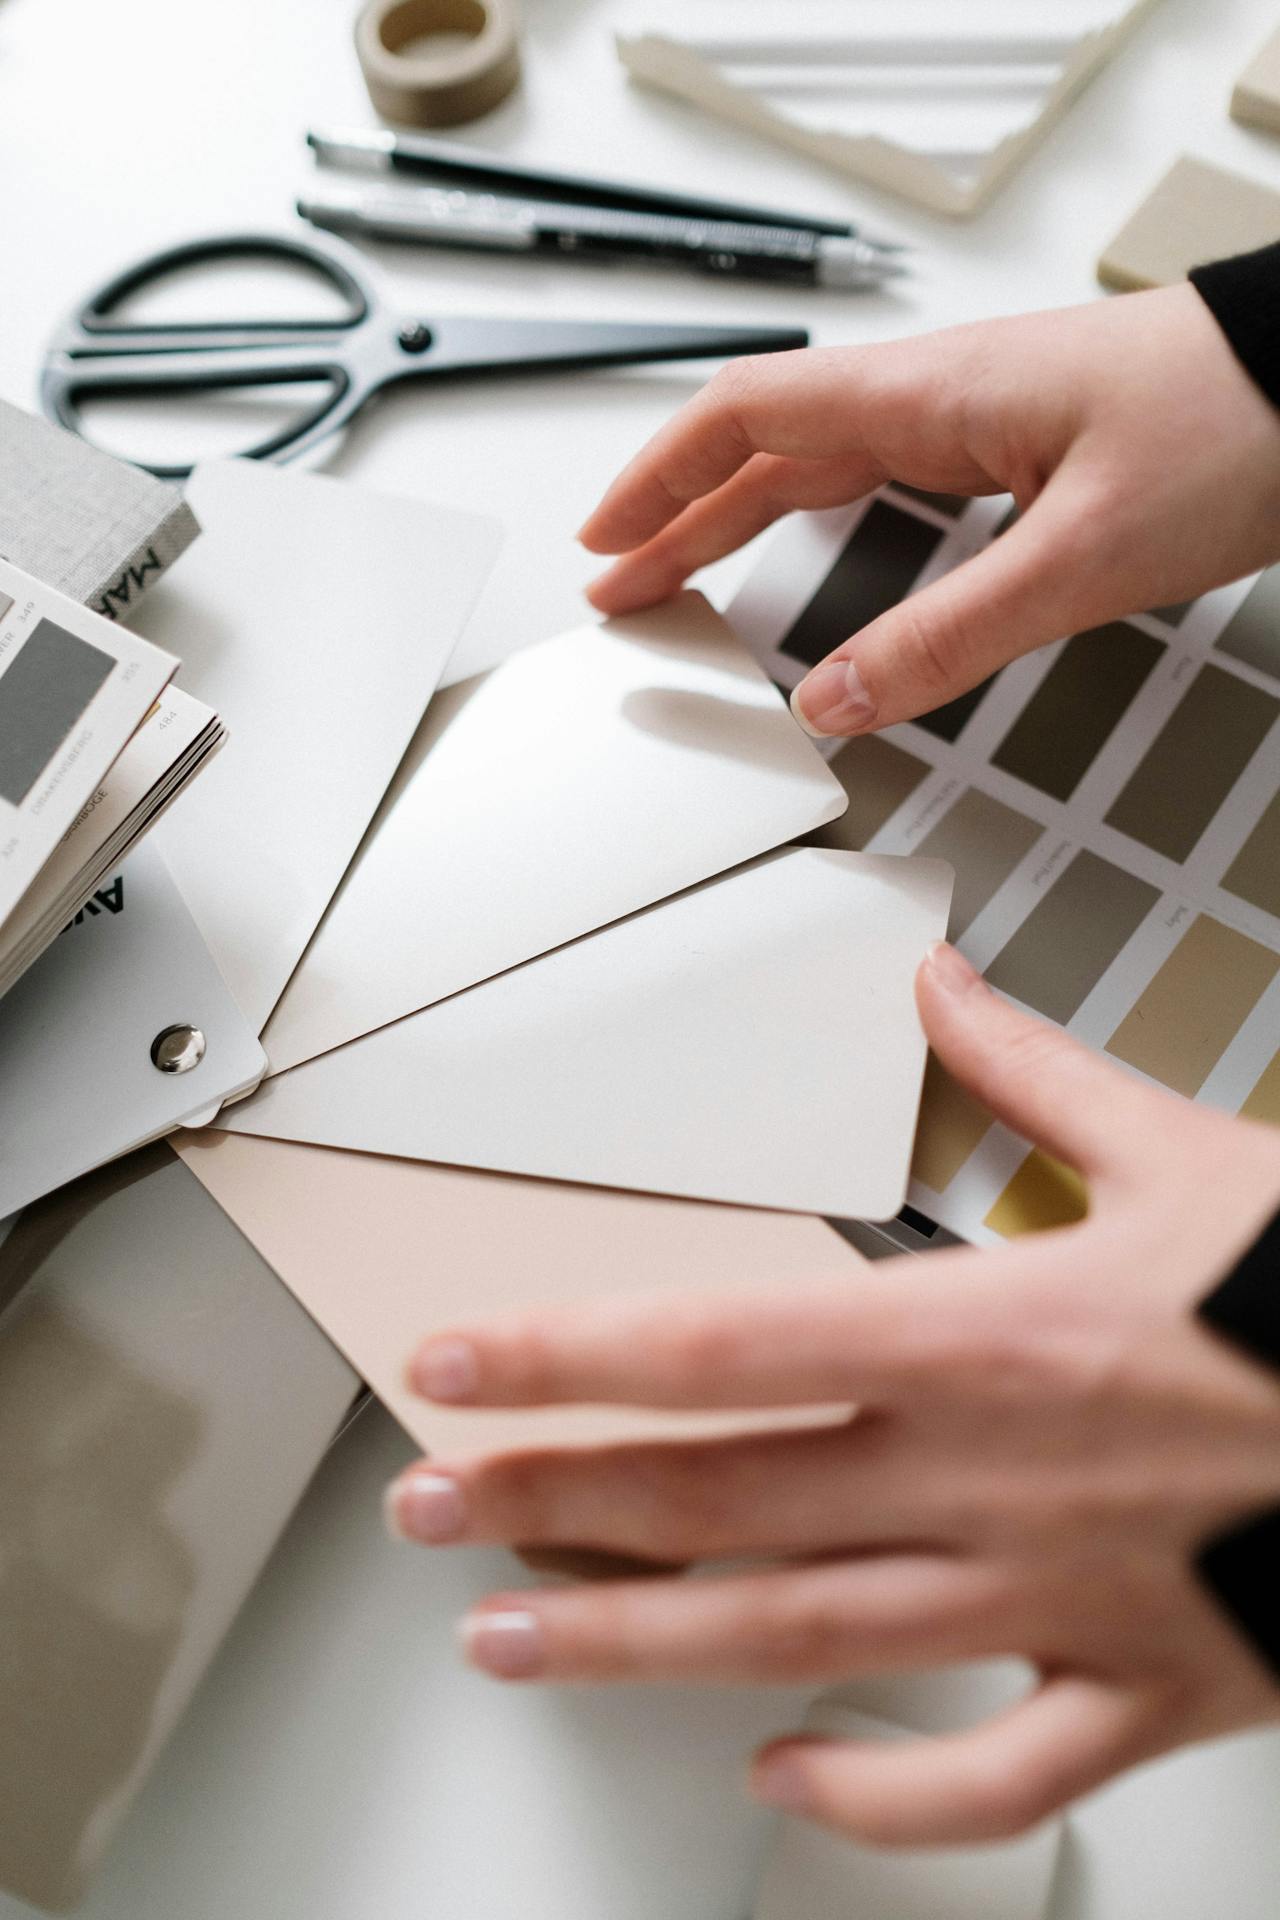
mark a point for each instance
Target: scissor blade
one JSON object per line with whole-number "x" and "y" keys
{"x": 463, "y": 343}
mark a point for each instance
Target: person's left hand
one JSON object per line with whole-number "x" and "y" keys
{"x": 1046, "y": 1437}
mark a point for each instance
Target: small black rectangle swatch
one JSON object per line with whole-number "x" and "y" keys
{"x": 53, "y": 677}
{"x": 879, "y": 563}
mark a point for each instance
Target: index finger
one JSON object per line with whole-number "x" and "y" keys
{"x": 882, "y": 1336}
{"x": 884, "y": 406}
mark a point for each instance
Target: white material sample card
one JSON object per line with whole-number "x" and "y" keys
{"x": 583, "y": 779}
{"x": 316, "y": 617}
{"x": 753, "y": 1040}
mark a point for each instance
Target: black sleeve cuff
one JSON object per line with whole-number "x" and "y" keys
{"x": 1243, "y": 295}
{"x": 1241, "y": 1568}
{"x": 1245, "y": 1307}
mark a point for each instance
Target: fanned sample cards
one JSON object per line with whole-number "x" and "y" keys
{"x": 1111, "y": 806}
{"x": 586, "y": 777}
{"x": 752, "y": 1040}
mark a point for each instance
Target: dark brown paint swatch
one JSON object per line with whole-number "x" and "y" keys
{"x": 1063, "y": 948}
{"x": 1072, "y": 713}
{"x": 880, "y": 562}
{"x": 984, "y": 840}
{"x": 878, "y": 777}
{"x": 1193, "y": 763}
{"x": 949, "y": 722}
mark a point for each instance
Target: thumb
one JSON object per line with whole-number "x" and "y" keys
{"x": 1031, "y": 585}
{"x": 1032, "y": 1076}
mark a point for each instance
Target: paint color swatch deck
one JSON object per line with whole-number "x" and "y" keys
{"x": 1111, "y": 806}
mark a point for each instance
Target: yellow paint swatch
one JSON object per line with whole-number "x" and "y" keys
{"x": 1264, "y": 1102}
{"x": 1042, "y": 1193}
{"x": 951, "y": 1125}
{"x": 1196, "y": 1003}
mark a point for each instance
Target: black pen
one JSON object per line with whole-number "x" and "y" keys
{"x": 377, "y": 150}
{"x": 491, "y": 223}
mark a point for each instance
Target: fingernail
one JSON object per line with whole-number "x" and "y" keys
{"x": 507, "y": 1645}
{"x": 780, "y": 1782}
{"x": 949, "y": 968}
{"x": 445, "y": 1370}
{"x": 833, "y": 699}
{"x": 425, "y": 1506}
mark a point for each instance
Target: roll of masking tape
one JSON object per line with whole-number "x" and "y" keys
{"x": 410, "y": 83}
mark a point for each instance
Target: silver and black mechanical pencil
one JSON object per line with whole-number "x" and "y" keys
{"x": 452, "y": 217}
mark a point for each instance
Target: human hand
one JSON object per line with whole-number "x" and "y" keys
{"x": 1145, "y": 462}
{"x": 1046, "y": 1436}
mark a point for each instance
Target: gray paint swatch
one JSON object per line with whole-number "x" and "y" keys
{"x": 1193, "y": 762}
{"x": 1063, "y": 948}
{"x": 983, "y": 840}
{"x": 49, "y": 683}
{"x": 1070, "y": 716}
{"x": 878, "y": 777}
{"x": 1253, "y": 632}
{"x": 878, "y": 564}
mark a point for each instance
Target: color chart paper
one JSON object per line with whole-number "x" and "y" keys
{"x": 1111, "y": 805}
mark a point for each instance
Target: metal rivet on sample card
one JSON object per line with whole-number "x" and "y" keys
{"x": 177, "y": 1049}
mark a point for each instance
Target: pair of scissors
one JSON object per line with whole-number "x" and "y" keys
{"x": 366, "y": 347}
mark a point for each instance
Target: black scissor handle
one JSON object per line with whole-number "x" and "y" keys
{"x": 331, "y": 263}
{"x": 94, "y": 353}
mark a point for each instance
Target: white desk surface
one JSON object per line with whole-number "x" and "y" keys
{"x": 337, "y": 1761}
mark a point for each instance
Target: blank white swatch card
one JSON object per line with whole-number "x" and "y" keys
{"x": 815, "y": 1875}
{"x": 316, "y": 617}
{"x": 752, "y": 1040}
{"x": 77, "y": 1082}
{"x": 579, "y": 781}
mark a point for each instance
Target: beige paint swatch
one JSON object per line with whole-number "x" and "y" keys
{"x": 951, "y": 1124}
{"x": 1197, "y": 1002}
{"x": 384, "y": 1252}
{"x": 1264, "y": 1101}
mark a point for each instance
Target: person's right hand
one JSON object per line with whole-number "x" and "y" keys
{"x": 1145, "y": 461}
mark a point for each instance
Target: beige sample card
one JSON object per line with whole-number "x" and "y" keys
{"x": 316, "y": 617}
{"x": 384, "y": 1252}
{"x": 815, "y": 1875}
{"x": 754, "y": 1040}
{"x": 585, "y": 778}
{"x": 1195, "y": 213}
{"x": 1255, "y": 101}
